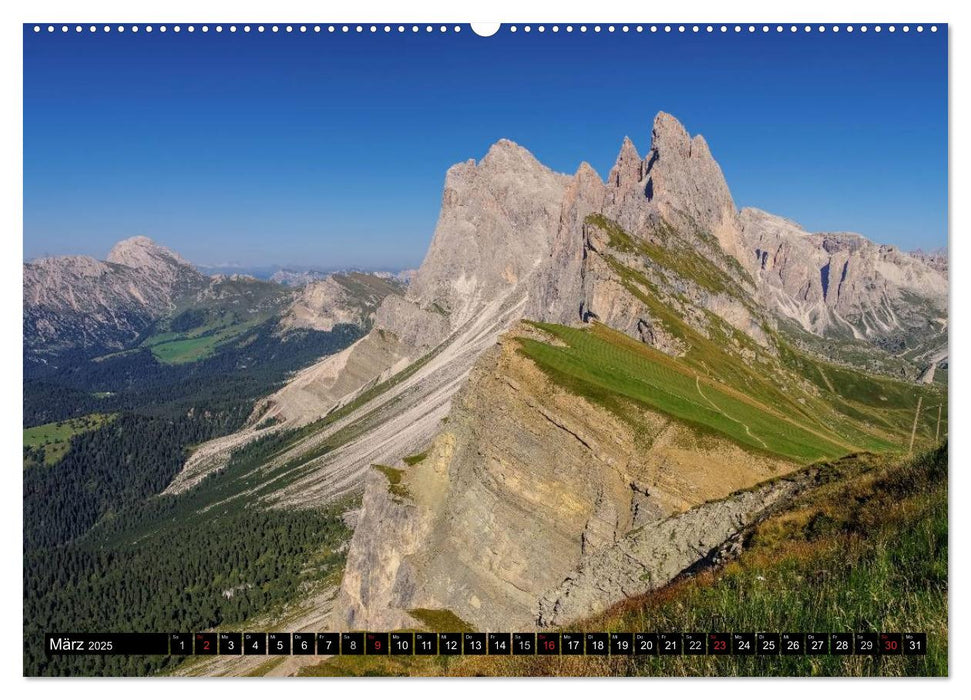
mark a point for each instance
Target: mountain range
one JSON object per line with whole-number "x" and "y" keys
{"x": 83, "y": 307}
{"x": 577, "y": 361}
{"x": 590, "y": 386}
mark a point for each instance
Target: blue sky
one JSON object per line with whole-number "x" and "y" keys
{"x": 330, "y": 150}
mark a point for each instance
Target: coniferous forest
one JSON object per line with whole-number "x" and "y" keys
{"x": 104, "y": 552}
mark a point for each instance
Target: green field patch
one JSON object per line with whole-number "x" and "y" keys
{"x": 47, "y": 444}
{"x": 174, "y": 347}
{"x": 395, "y": 487}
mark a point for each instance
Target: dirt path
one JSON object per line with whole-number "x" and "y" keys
{"x": 734, "y": 420}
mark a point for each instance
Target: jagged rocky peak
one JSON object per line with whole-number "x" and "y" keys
{"x": 505, "y": 153}
{"x": 629, "y": 168}
{"x": 668, "y": 134}
{"x": 497, "y": 220}
{"x": 586, "y": 172}
{"x": 142, "y": 251}
{"x": 687, "y": 184}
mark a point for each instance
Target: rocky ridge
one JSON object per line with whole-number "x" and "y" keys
{"x": 841, "y": 283}
{"x": 520, "y": 455}
{"x": 659, "y": 241}
{"x": 77, "y": 307}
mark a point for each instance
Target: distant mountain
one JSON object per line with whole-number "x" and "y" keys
{"x": 77, "y": 302}
{"x": 841, "y": 284}
{"x": 937, "y": 259}
{"x": 260, "y": 272}
{"x": 300, "y": 277}
{"x": 76, "y": 307}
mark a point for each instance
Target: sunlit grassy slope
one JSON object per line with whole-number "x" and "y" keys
{"x": 840, "y": 405}
{"x": 715, "y": 391}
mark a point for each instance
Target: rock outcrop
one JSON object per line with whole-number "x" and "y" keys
{"x": 652, "y": 555}
{"x": 497, "y": 221}
{"x": 935, "y": 259}
{"x": 687, "y": 184}
{"x": 350, "y": 298}
{"x": 525, "y": 483}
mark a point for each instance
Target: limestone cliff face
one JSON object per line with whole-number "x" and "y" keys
{"x": 559, "y": 289}
{"x": 525, "y": 483}
{"x": 651, "y": 556}
{"x": 841, "y": 283}
{"x": 497, "y": 222}
{"x": 687, "y": 184}
{"x": 496, "y": 225}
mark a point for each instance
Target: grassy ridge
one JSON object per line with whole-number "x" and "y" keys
{"x": 865, "y": 549}
{"x": 602, "y": 363}
{"x": 795, "y": 406}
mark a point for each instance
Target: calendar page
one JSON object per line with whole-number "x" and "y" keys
{"x": 524, "y": 349}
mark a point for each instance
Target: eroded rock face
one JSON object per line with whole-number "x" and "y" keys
{"x": 559, "y": 290}
{"x": 495, "y": 229}
{"x": 652, "y": 555}
{"x": 525, "y": 483}
{"x": 935, "y": 259}
{"x": 496, "y": 225}
{"x": 841, "y": 283}
{"x": 687, "y": 184}
{"x": 344, "y": 298}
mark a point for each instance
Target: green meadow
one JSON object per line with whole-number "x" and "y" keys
{"x": 47, "y": 444}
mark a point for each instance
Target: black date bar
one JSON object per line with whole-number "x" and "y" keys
{"x": 132, "y": 643}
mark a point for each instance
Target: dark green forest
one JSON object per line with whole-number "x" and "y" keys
{"x": 136, "y": 381}
{"x": 103, "y": 551}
